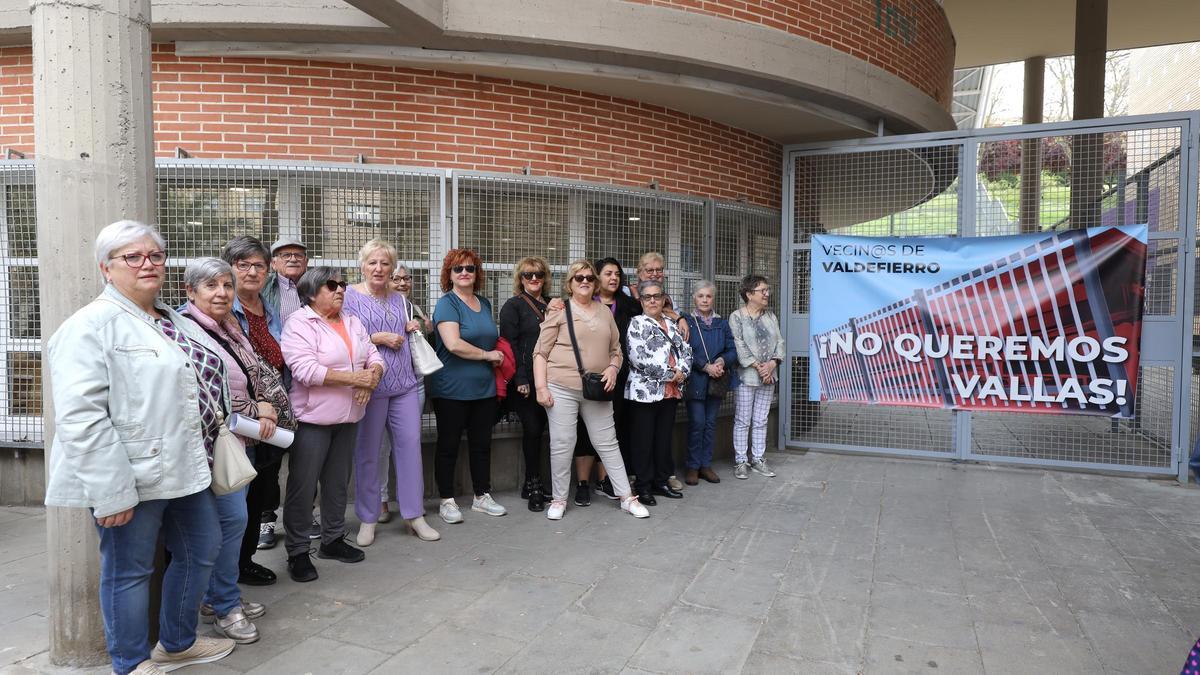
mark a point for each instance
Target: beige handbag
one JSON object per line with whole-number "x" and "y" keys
{"x": 232, "y": 469}
{"x": 425, "y": 359}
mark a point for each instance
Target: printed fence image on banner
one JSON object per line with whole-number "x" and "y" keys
{"x": 1042, "y": 323}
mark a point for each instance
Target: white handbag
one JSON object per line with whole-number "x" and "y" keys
{"x": 232, "y": 469}
{"x": 425, "y": 359}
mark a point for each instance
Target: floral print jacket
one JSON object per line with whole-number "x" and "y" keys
{"x": 649, "y": 355}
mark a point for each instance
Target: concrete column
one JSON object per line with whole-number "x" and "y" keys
{"x": 1087, "y": 150}
{"x": 94, "y": 165}
{"x": 1031, "y": 148}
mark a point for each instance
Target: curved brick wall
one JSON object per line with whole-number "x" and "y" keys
{"x": 908, "y": 38}
{"x": 255, "y": 108}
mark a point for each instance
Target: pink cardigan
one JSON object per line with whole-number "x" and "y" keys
{"x": 311, "y": 348}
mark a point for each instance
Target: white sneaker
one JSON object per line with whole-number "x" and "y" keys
{"x": 485, "y": 504}
{"x": 557, "y": 508}
{"x": 742, "y": 470}
{"x": 449, "y": 511}
{"x": 760, "y": 466}
{"x": 634, "y": 507}
{"x": 366, "y": 534}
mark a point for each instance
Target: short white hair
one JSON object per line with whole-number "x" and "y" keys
{"x": 122, "y": 233}
{"x": 703, "y": 284}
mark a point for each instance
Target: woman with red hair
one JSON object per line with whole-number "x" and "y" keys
{"x": 464, "y": 390}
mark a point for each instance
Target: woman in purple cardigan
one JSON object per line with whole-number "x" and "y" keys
{"x": 395, "y": 403}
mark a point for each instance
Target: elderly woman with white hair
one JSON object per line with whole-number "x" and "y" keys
{"x": 139, "y": 391}
{"x": 395, "y": 404}
{"x": 255, "y": 391}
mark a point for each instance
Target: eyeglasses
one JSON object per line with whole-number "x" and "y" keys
{"x": 291, "y": 256}
{"x": 334, "y": 284}
{"x": 584, "y": 278}
{"x": 243, "y": 266}
{"x": 136, "y": 260}
{"x": 459, "y": 269}
{"x": 401, "y": 277}
{"x": 761, "y": 290}
{"x": 652, "y": 297}
{"x": 529, "y": 276}
{"x": 652, "y": 270}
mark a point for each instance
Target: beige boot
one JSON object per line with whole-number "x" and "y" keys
{"x": 366, "y": 534}
{"x": 419, "y": 527}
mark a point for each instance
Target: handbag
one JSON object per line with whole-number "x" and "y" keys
{"x": 593, "y": 384}
{"x": 717, "y": 386}
{"x": 425, "y": 359}
{"x": 231, "y": 469}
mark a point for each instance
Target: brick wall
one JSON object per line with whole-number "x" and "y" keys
{"x": 253, "y": 108}
{"x": 913, "y": 41}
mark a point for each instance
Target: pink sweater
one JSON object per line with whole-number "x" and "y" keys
{"x": 311, "y": 348}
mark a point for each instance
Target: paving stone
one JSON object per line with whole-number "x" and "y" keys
{"x": 634, "y": 595}
{"x": 835, "y": 578}
{"x": 518, "y": 607}
{"x": 1071, "y": 551}
{"x": 1035, "y": 606}
{"x": 815, "y": 628}
{"x": 452, "y": 649}
{"x": 891, "y": 655}
{"x": 479, "y": 569}
{"x": 1016, "y": 649}
{"x": 1107, "y": 592}
{"x": 769, "y": 551}
{"x": 1132, "y": 646}
{"x": 735, "y": 588}
{"x": 922, "y": 616}
{"x": 776, "y": 518}
{"x": 692, "y": 640}
{"x": 760, "y": 662}
{"x": 675, "y": 551}
{"x": 400, "y": 619}
{"x": 578, "y": 643}
{"x": 23, "y": 638}
{"x": 321, "y": 655}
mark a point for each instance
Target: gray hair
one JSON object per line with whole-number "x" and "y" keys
{"x": 201, "y": 270}
{"x": 244, "y": 247}
{"x": 310, "y": 284}
{"x": 643, "y": 285}
{"x": 703, "y": 284}
{"x": 122, "y": 233}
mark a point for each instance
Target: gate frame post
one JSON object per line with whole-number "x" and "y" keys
{"x": 1189, "y": 143}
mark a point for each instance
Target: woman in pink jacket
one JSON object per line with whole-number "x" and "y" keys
{"x": 335, "y": 367}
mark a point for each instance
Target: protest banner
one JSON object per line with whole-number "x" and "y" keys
{"x": 1042, "y": 323}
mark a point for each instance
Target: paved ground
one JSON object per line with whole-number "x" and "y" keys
{"x": 840, "y": 565}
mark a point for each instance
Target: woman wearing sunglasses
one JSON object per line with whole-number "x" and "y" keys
{"x": 560, "y": 386}
{"x": 335, "y": 369}
{"x": 464, "y": 390}
{"x": 520, "y": 322}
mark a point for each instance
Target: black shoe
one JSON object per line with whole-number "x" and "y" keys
{"x": 646, "y": 498}
{"x": 315, "y": 532}
{"x": 253, "y": 574}
{"x": 266, "y": 536}
{"x": 301, "y": 569}
{"x": 340, "y": 550}
{"x": 605, "y": 488}
{"x": 583, "y": 493}
{"x": 664, "y": 490}
{"x": 533, "y": 492}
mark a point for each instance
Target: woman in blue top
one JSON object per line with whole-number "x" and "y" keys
{"x": 713, "y": 356}
{"x": 464, "y": 390}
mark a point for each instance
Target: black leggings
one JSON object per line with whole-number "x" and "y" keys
{"x": 477, "y": 418}
{"x": 655, "y": 424}
{"x": 533, "y": 429}
{"x": 262, "y": 495}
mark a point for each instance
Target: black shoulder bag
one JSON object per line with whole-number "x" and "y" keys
{"x": 593, "y": 385}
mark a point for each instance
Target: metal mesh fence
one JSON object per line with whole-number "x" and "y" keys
{"x": 1021, "y": 183}
{"x": 335, "y": 209}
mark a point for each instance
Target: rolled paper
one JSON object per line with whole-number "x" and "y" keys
{"x": 248, "y": 427}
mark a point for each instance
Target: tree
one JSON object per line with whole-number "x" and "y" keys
{"x": 1060, "y": 86}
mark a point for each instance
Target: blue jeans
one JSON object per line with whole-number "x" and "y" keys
{"x": 192, "y": 534}
{"x": 223, "y": 592}
{"x": 702, "y": 427}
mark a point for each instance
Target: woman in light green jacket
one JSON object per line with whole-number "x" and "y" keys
{"x": 760, "y": 350}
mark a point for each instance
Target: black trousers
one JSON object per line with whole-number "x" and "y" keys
{"x": 583, "y": 444}
{"x": 259, "y": 495}
{"x": 476, "y": 418}
{"x": 533, "y": 429}
{"x": 655, "y": 424}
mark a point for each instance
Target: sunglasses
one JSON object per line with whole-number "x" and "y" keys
{"x": 333, "y": 285}
{"x": 652, "y": 297}
{"x": 459, "y": 269}
{"x": 528, "y": 276}
{"x": 584, "y": 278}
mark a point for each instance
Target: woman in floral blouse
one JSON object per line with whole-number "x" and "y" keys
{"x": 659, "y": 361}
{"x": 760, "y": 350}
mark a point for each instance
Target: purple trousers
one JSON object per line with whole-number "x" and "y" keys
{"x": 401, "y": 414}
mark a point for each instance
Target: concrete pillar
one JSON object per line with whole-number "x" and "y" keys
{"x": 94, "y": 165}
{"x": 1087, "y": 150}
{"x": 1031, "y": 148}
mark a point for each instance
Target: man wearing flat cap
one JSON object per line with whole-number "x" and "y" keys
{"x": 289, "y": 260}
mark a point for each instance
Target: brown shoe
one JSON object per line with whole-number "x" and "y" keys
{"x": 709, "y": 475}
{"x": 692, "y": 477}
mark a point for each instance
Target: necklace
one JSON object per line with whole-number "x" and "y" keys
{"x": 382, "y": 302}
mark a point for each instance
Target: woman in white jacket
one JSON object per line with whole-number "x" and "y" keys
{"x": 139, "y": 392}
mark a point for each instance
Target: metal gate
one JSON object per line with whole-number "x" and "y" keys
{"x": 986, "y": 182}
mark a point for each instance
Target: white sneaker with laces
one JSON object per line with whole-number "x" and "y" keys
{"x": 760, "y": 466}
{"x": 485, "y": 504}
{"x": 557, "y": 508}
{"x": 634, "y": 507}
{"x": 449, "y": 511}
{"x": 742, "y": 470}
